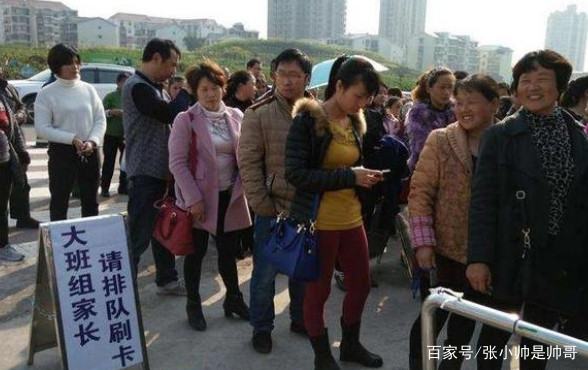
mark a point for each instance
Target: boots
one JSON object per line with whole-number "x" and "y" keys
{"x": 323, "y": 360}
{"x": 234, "y": 304}
{"x": 195, "y": 316}
{"x": 351, "y": 349}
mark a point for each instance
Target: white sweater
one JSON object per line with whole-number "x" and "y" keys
{"x": 67, "y": 109}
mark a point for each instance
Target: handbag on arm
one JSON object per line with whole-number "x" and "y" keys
{"x": 173, "y": 227}
{"x": 293, "y": 246}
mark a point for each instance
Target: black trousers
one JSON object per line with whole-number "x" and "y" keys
{"x": 5, "y": 186}
{"x": 20, "y": 203}
{"x": 450, "y": 274}
{"x": 65, "y": 167}
{"x": 112, "y": 145}
{"x": 143, "y": 192}
{"x": 226, "y": 245}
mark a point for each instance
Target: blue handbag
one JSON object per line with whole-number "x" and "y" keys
{"x": 292, "y": 247}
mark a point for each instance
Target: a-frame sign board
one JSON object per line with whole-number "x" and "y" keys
{"x": 86, "y": 302}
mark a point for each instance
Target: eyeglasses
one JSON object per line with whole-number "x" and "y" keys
{"x": 292, "y": 76}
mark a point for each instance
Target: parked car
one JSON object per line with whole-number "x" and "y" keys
{"x": 101, "y": 76}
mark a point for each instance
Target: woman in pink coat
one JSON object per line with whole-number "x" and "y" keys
{"x": 208, "y": 185}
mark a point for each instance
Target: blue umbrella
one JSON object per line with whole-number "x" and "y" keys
{"x": 320, "y": 72}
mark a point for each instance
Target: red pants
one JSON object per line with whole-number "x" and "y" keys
{"x": 350, "y": 248}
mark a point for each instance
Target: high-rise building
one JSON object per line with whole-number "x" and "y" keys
{"x": 400, "y": 20}
{"x": 496, "y": 61}
{"x": 306, "y": 19}
{"x": 566, "y": 34}
{"x": 37, "y": 23}
{"x": 442, "y": 49}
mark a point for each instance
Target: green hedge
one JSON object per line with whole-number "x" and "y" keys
{"x": 22, "y": 61}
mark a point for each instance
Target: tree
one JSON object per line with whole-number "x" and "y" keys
{"x": 193, "y": 42}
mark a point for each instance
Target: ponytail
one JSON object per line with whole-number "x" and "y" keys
{"x": 350, "y": 70}
{"x": 330, "y": 91}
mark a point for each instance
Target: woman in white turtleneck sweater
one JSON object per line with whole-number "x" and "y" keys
{"x": 70, "y": 115}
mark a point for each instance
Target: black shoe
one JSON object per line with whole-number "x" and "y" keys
{"x": 323, "y": 359}
{"x": 105, "y": 194}
{"x": 298, "y": 328}
{"x": 351, "y": 349}
{"x": 27, "y": 223}
{"x": 262, "y": 342}
{"x": 234, "y": 304}
{"x": 195, "y": 315}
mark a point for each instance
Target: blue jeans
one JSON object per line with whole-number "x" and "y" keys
{"x": 143, "y": 192}
{"x": 263, "y": 284}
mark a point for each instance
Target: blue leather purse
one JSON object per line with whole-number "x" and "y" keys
{"x": 293, "y": 247}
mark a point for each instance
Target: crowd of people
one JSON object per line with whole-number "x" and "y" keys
{"x": 497, "y": 177}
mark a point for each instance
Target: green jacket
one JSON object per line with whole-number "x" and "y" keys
{"x": 114, "y": 125}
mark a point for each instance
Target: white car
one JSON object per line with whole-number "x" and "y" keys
{"x": 101, "y": 76}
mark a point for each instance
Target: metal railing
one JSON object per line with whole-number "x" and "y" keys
{"x": 453, "y": 302}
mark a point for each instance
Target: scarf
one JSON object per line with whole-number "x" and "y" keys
{"x": 552, "y": 141}
{"x": 218, "y": 122}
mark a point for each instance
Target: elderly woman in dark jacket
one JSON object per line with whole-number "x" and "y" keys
{"x": 323, "y": 157}
{"x": 13, "y": 157}
{"x": 528, "y": 240}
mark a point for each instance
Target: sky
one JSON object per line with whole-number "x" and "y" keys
{"x": 518, "y": 24}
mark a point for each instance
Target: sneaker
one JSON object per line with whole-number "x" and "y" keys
{"x": 105, "y": 194}
{"x": 262, "y": 342}
{"x": 8, "y": 253}
{"x": 177, "y": 288}
{"x": 27, "y": 223}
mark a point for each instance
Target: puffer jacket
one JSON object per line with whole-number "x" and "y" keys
{"x": 439, "y": 197}
{"x": 306, "y": 148}
{"x": 14, "y": 136}
{"x": 261, "y": 152}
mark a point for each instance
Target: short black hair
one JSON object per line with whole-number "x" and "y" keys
{"x": 395, "y": 91}
{"x": 161, "y": 47}
{"x": 460, "y": 75}
{"x": 252, "y": 62}
{"x": 62, "y": 55}
{"x": 574, "y": 93}
{"x": 238, "y": 78}
{"x": 548, "y": 59}
{"x": 481, "y": 83}
{"x": 122, "y": 76}
{"x": 293, "y": 55}
{"x": 350, "y": 70}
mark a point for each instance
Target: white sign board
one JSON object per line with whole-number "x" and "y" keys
{"x": 97, "y": 302}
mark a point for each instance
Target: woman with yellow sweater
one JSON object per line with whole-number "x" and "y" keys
{"x": 323, "y": 158}
{"x": 439, "y": 201}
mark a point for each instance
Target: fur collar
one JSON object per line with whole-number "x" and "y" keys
{"x": 313, "y": 107}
